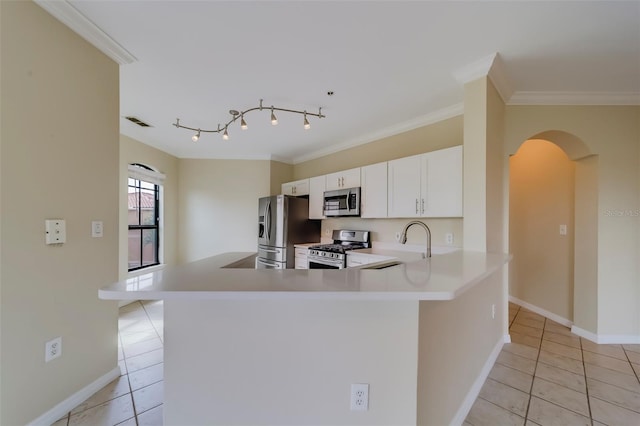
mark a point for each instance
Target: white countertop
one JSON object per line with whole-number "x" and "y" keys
{"x": 442, "y": 277}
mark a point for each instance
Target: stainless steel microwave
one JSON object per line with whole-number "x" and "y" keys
{"x": 342, "y": 202}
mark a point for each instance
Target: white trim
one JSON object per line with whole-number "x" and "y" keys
{"x": 64, "y": 12}
{"x": 474, "y": 391}
{"x": 434, "y": 117}
{"x": 507, "y": 338}
{"x": 574, "y": 98}
{"x": 500, "y": 78}
{"x": 584, "y": 333}
{"x": 540, "y": 311}
{"x": 607, "y": 339}
{"x": 474, "y": 70}
{"x": 64, "y": 407}
{"x": 151, "y": 176}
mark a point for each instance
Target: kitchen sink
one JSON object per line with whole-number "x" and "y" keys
{"x": 382, "y": 265}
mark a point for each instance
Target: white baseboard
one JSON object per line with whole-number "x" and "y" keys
{"x": 607, "y": 339}
{"x": 543, "y": 312}
{"x": 601, "y": 339}
{"x": 507, "y": 338}
{"x": 474, "y": 391}
{"x": 63, "y": 408}
{"x": 584, "y": 333}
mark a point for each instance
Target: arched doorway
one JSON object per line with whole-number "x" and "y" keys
{"x": 553, "y": 228}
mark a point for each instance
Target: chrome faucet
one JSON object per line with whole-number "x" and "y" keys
{"x": 403, "y": 236}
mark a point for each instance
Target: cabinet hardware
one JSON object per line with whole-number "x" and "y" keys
{"x": 416, "y": 206}
{"x": 422, "y": 206}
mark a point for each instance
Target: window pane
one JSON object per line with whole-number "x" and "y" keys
{"x": 133, "y": 206}
{"x": 135, "y": 239}
{"x": 149, "y": 243}
{"x": 148, "y": 207}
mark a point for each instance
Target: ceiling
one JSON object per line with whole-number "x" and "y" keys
{"x": 391, "y": 65}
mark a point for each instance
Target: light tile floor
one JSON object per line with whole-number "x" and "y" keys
{"x": 549, "y": 376}
{"x": 546, "y": 376}
{"x": 135, "y": 398}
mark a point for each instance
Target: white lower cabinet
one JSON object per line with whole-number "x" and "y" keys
{"x": 301, "y": 260}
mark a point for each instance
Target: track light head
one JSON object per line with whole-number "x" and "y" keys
{"x": 196, "y": 136}
{"x": 274, "y": 119}
{"x": 243, "y": 124}
{"x": 306, "y": 126}
{"x": 225, "y": 135}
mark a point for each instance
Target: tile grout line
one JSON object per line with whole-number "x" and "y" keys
{"x": 630, "y": 363}
{"x": 586, "y": 382}
{"x": 535, "y": 369}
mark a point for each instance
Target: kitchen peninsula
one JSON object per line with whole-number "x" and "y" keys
{"x": 245, "y": 346}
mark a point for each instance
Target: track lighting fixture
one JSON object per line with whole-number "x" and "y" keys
{"x": 243, "y": 124}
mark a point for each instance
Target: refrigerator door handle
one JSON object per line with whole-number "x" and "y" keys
{"x": 262, "y": 262}
{"x": 267, "y": 217}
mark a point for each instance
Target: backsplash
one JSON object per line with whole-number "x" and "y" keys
{"x": 384, "y": 230}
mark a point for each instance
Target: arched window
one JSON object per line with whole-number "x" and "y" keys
{"x": 143, "y": 216}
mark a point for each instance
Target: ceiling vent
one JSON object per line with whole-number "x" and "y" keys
{"x": 137, "y": 121}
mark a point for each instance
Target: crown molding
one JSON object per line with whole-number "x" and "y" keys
{"x": 72, "y": 18}
{"x": 574, "y": 98}
{"x": 490, "y": 66}
{"x": 431, "y": 118}
{"x": 474, "y": 70}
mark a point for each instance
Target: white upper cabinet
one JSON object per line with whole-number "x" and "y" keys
{"x": 426, "y": 185}
{"x": 443, "y": 195}
{"x": 373, "y": 193}
{"x": 316, "y": 197}
{"x": 345, "y": 179}
{"x": 299, "y": 187}
{"x": 404, "y": 186}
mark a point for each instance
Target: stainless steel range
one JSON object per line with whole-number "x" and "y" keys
{"x": 333, "y": 256}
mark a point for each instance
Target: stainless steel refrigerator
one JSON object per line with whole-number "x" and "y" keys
{"x": 282, "y": 222}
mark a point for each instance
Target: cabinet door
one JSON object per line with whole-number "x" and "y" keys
{"x": 316, "y": 197}
{"x": 373, "y": 195}
{"x": 297, "y": 188}
{"x": 287, "y": 188}
{"x": 404, "y": 187}
{"x": 344, "y": 179}
{"x": 442, "y": 183}
{"x": 351, "y": 178}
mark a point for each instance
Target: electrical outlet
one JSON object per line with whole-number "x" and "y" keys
{"x": 359, "y": 397}
{"x": 563, "y": 229}
{"x": 397, "y": 236}
{"x": 493, "y": 311}
{"x": 53, "y": 349}
{"x": 448, "y": 238}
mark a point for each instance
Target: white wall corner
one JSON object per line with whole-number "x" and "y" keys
{"x": 64, "y": 407}
{"x": 543, "y": 312}
{"x": 507, "y": 338}
{"x": 500, "y": 78}
{"x": 474, "y": 391}
{"x": 584, "y": 333}
{"x": 64, "y": 12}
{"x": 474, "y": 70}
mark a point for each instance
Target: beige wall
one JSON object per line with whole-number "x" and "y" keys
{"x": 585, "y": 269}
{"x": 298, "y": 357}
{"x": 541, "y": 199}
{"x": 59, "y": 144}
{"x": 132, "y": 151}
{"x": 612, "y": 133}
{"x": 280, "y": 173}
{"x": 218, "y": 205}
{"x": 452, "y": 357}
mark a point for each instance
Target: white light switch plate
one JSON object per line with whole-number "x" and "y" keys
{"x": 96, "y": 229}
